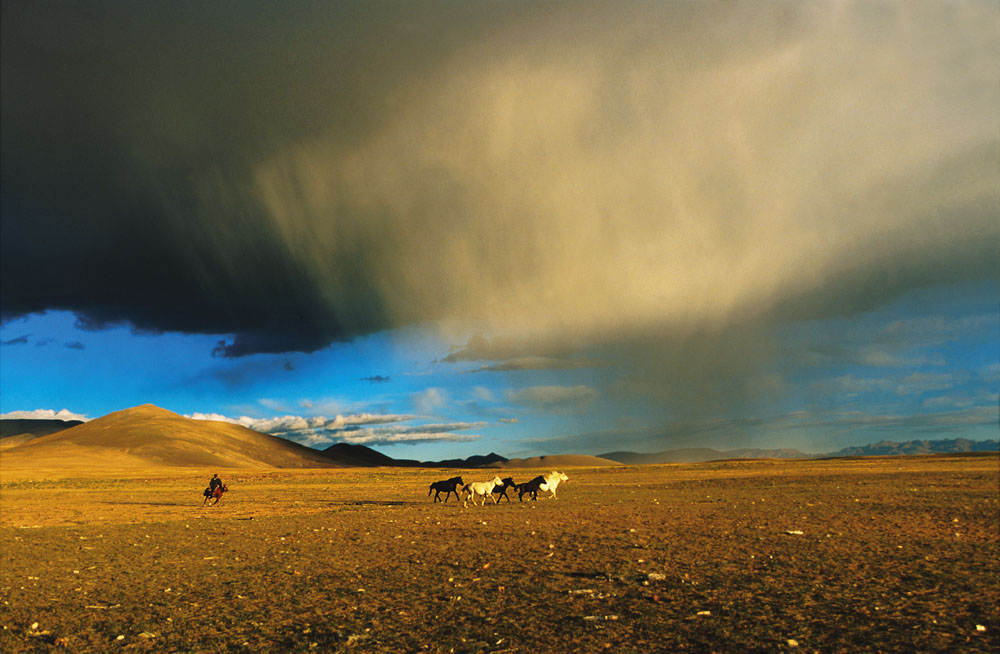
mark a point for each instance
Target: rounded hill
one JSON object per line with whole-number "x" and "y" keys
{"x": 150, "y": 436}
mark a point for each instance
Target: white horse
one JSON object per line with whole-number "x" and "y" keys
{"x": 484, "y": 488}
{"x": 552, "y": 481}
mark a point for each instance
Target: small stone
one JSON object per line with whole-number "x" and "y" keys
{"x": 792, "y": 642}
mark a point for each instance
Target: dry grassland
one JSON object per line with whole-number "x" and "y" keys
{"x": 893, "y": 555}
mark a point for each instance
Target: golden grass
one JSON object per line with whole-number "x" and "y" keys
{"x": 893, "y": 555}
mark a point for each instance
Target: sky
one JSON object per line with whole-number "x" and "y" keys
{"x": 448, "y": 228}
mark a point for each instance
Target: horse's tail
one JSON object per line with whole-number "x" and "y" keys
{"x": 465, "y": 489}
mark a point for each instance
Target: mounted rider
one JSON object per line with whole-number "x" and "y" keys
{"x": 215, "y": 489}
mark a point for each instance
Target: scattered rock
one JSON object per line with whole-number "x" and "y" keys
{"x": 794, "y": 532}
{"x": 656, "y": 576}
{"x": 704, "y": 613}
{"x": 792, "y": 642}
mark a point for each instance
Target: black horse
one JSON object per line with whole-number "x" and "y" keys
{"x": 529, "y": 487}
{"x": 448, "y": 486}
{"x": 501, "y": 491}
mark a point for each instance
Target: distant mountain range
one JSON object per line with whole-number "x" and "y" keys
{"x": 882, "y": 448}
{"x": 151, "y": 436}
{"x": 16, "y": 426}
{"x": 892, "y": 448}
{"x": 701, "y": 454}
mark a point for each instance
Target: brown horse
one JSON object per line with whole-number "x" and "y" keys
{"x": 216, "y": 494}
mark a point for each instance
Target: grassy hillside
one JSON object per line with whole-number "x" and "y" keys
{"x": 150, "y": 436}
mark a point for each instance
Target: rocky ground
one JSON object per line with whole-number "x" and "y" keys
{"x": 866, "y": 555}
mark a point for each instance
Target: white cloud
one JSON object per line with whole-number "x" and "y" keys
{"x": 484, "y": 394}
{"x": 882, "y": 358}
{"x": 918, "y": 383}
{"x": 851, "y": 385}
{"x": 44, "y": 414}
{"x": 217, "y": 417}
{"x": 430, "y": 400}
{"x": 411, "y": 436}
{"x": 991, "y": 372}
{"x": 362, "y": 428}
{"x": 290, "y": 424}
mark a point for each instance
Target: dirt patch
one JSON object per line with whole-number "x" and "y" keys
{"x": 860, "y": 556}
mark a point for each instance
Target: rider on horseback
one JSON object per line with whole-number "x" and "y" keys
{"x": 215, "y": 490}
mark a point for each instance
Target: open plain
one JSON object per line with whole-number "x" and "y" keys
{"x": 848, "y": 555}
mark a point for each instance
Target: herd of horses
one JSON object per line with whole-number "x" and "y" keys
{"x": 496, "y": 488}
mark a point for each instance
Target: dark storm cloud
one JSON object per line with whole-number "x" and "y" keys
{"x": 131, "y": 136}
{"x": 293, "y": 174}
{"x": 20, "y": 340}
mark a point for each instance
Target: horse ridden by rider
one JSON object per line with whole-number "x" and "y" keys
{"x": 214, "y": 491}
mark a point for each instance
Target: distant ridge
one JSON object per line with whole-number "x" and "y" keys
{"x": 894, "y": 448}
{"x": 361, "y": 456}
{"x": 19, "y": 426}
{"x": 554, "y": 461}
{"x": 882, "y": 448}
{"x": 701, "y": 454}
{"x": 474, "y": 461}
{"x": 147, "y": 435}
